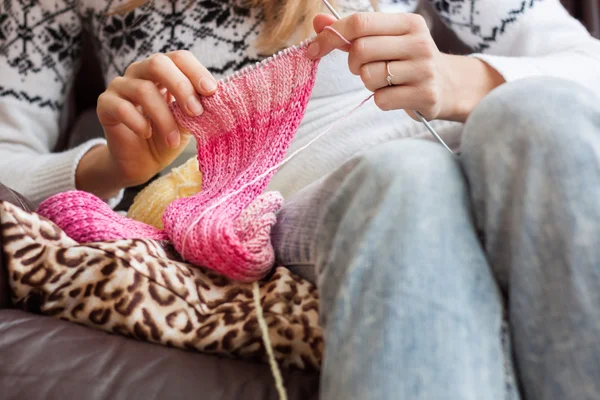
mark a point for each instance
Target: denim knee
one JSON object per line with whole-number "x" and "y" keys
{"x": 540, "y": 115}
{"x": 415, "y": 163}
{"x": 384, "y": 182}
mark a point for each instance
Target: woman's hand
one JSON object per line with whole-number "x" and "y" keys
{"x": 142, "y": 134}
{"x": 424, "y": 79}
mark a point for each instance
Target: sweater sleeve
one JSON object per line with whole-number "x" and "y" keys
{"x": 523, "y": 39}
{"x": 40, "y": 45}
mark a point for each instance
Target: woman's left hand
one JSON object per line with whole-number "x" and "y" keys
{"x": 423, "y": 78}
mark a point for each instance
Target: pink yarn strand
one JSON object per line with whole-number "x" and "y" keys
{"x": 266, "y": 173}
{"x": 329, "y": 28}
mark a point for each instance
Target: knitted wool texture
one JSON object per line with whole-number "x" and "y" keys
{"x": 150, "y": 204}
{"x": 86, "y": 219}
{"x": 245, "y": 130}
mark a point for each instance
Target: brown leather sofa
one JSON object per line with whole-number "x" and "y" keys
{"x": 46, "y": 358}
{"x": 587, "y": 11}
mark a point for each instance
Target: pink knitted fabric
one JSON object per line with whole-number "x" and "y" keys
{"x": 245, "y": 130}
{"x": 86, "y": 218}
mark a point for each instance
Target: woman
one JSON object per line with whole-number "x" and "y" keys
{"x": 402, "y": 320}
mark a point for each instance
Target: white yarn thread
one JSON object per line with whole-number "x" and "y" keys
{"x": 264, "y": 330}
{"x": 266, "y": 173}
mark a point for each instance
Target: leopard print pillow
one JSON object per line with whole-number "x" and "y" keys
{"x": 142, "y": 289}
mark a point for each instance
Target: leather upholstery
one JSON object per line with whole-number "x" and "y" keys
{"x": 8, "y": 195}
{"x": 15, "y": 198}
{"x": 587, "y": 11}
{"x": 46, "y": 358}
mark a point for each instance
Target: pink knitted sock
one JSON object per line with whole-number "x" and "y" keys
{"x": 85, "y": 218}
{"x": 245, "y": 130}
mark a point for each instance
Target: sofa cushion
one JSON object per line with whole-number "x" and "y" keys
{"x": 15, "y": 198}
{"x": 46, "y": 358}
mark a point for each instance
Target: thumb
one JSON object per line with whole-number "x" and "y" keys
{"x": 321, "y": 21}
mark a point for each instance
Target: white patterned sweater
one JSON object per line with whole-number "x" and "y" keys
{"x": 40, "y": 44}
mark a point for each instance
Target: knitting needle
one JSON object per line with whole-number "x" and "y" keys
{"x": 432, "y": 131}
{"x": 418, "y": 114}
{"x": 330, "y": 7}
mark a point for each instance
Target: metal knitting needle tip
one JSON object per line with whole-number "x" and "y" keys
{"x": 419, "y": 115}
{"x": 330, "y": 7}
{"x": 432, "y": 131}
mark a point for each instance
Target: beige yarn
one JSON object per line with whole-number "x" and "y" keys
{"x": 150, "y": 204}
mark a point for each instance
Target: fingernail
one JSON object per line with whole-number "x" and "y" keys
{"x": 194, "y": 106}
{"x": 173, "y": 139}
{"x": 208, "y": 84}
{"x": 313, "y": 50}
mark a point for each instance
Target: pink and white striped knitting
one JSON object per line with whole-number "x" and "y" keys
{"x": 245, "y": 130}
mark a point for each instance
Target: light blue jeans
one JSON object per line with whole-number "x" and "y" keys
{"x": 430, "y": 267}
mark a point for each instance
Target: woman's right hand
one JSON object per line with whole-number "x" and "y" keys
{"x": 141, "y": 132}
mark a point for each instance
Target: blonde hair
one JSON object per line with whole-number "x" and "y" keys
{"x": 284, "y": 20}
